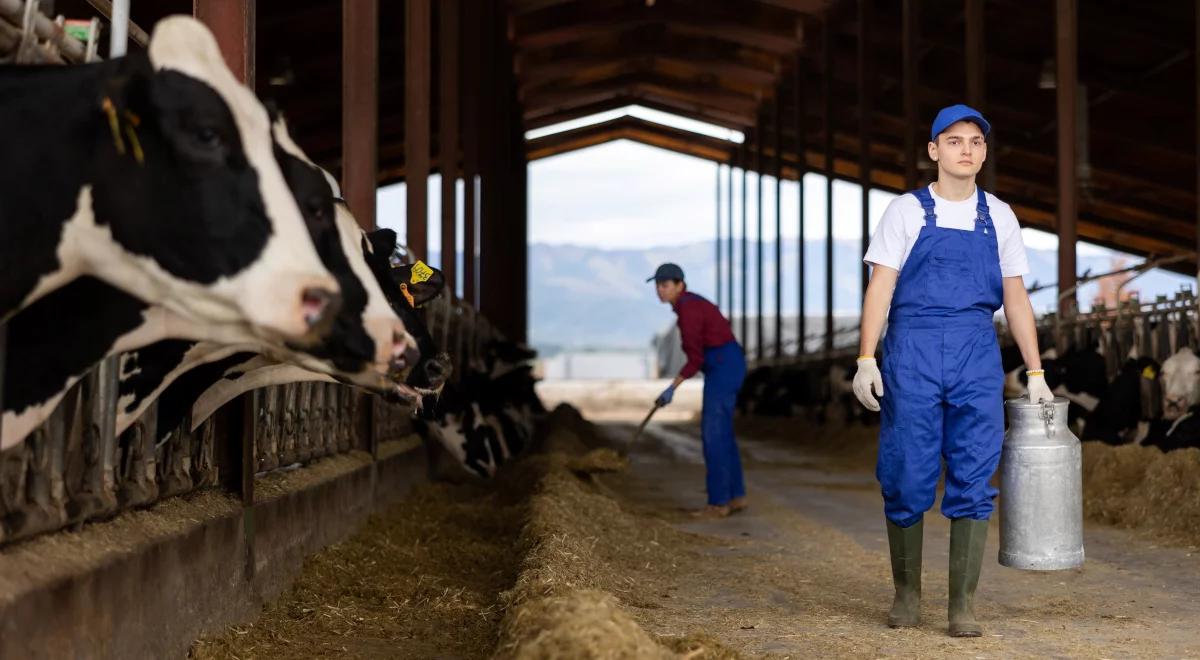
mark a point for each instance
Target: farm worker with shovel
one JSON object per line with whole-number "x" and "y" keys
{"x": 710, "y": 347}
{"x": 944, "y": 259}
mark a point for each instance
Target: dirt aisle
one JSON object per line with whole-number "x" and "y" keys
{"x": 805, "y": 573}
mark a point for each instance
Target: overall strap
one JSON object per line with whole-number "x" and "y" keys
{"x": 983, "y": 216}
{"x": 926, "y": 200}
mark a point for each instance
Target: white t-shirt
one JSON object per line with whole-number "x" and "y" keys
{"x": 902, "y": 221}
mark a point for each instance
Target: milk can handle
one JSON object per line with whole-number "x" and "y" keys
{"x": 1048, "y": 417}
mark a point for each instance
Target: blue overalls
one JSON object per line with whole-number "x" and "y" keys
{"x": 942, "y": 380}
{"x": 724, "y": 370}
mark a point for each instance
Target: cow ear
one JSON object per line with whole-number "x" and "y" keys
{"x": 421, "y": 282}
{"x": 128, "y": 89}
{"x": 382, "y": 242}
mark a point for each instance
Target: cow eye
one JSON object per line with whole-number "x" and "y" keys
{"x": 207, "y": 137}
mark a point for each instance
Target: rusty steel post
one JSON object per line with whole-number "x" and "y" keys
{"x": 827, "y": 100}
{"x": 759, "y": 351}
{"x": 471, "y": 81}
{"x": 416, "y": 125}
{"x": 778, "y": 116}
{"x": 911, "y": 28}
{"x": 864, "y": 134}
{"x": 360, "y": 108}
{"x": 976, "y": 82}
{"x": 1066, "y": 54}
{"x": 729, "y": 232}
{"x": 717, "y": 238}
{"x": 801, "y": 168}
{"x": 232, "y": 23}
{"x": 448, "y": 104}
{"x": 745, "y": 251}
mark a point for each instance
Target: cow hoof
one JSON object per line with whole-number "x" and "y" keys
{"x": 175, "y": 484}
{"x": 134, "y": 494}
{"x": 29, "y": 522}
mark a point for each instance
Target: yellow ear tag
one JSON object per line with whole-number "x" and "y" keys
{"x": 421, "y": 273}
{"x": 1148, "y": 373}
{"x": 408, "y": 296}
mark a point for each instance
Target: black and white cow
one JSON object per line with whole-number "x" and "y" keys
{"x": 488, "y": 417}
{"x": 1131, "y": 404}
{"x": 48, "y": 353}
{"x": 1180, "y": 424}
{"x": 201, "y": 391}
{"x": 155, "y": 173}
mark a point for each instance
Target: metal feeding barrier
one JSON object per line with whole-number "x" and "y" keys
{"x": 72, "y": 469}
{"x": 1156, "y": 329}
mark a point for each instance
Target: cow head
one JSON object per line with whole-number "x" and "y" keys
{"x": 407, "y": 288}
{"x": 367, "y": 339}
{"x": 1180, "y": 383}
{"x": 187, "y": 186}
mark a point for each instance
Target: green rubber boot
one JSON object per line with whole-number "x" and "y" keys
{"x": 905, "y": 546}
{"x": 967, "y": 538}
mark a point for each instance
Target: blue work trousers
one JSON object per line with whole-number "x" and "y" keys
{"x": 724, "y": 370}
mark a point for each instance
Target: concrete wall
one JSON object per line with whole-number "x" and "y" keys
{"x": 148, "y": 583}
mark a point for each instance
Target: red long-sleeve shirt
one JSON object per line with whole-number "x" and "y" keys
{"x": 701, "y": 326}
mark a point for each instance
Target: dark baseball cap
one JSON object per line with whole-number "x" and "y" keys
{"x": 953, "y": 114}
{"x": 666, "y": 272}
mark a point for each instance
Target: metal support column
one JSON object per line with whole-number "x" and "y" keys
{"x": 827, "y": 100}
{"x": 778, "y": 144}
{"x": 416, "y": 124}
{"x": 976, "y": 88}
{"x": 471, "y": 80}
{"x": 729, "y": 232}
{"x": 717, "y": 238}
{"x": 910, "y": 25}
{"x": 1066, "y": 52}
{"x": 360, "y": 108}
{"x": 448, "y": 98}
{"x": 759, "y": 348}
{"x": 745, "y": 226}
{"x": 801, "y": 168}
{"x": 232, "y": 23}
{"x": 864, "y": 132}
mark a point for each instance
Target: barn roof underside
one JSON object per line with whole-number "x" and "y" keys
{"x": 730, "y": 62}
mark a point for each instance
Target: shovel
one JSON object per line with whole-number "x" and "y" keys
{"x": 641, "y": 427}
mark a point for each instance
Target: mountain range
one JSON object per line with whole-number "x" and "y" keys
{"x": 590, "y": 298}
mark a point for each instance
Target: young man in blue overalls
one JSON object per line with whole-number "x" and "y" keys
{"x": 944, "y": 259}
{"x": 710, "y": 347}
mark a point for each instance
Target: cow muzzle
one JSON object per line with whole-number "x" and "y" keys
{"x": 1174, "y": 407}
{"x": 404, "y": 356}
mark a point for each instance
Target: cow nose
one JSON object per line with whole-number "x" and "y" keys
{"x": 436, "y": 371}
{"x": 319, "y": 306}
{"x": 404, "y": 352}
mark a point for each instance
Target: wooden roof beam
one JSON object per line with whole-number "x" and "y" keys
{"x": 772, "y": 37}
{"x": 735, "y": 108}
{"x": 647, "y": 59}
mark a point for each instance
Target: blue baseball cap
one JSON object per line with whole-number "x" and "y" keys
{"x": 953, "y": 114}
{"x": 666, "y": 272}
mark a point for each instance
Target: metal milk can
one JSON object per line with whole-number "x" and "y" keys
{"x": 1041, "y": 488}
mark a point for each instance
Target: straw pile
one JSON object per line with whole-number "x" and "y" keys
{"x": 585, "y": 560}
{"x": 1144, "y": 488}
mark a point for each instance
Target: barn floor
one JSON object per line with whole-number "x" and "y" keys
{"x": 804, "y": 572}
{"x": 465, "y": 571}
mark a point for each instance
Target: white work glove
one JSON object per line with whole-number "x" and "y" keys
{"x": 866, "y": 378}
{"x": 1039, "y": 391}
